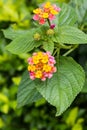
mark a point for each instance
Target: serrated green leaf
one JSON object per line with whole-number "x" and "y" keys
{"x": 80, "y": 8}
{"x": 64, "y": 86}
{"x": 67, "y": 16}
{"x": 48, "y": 46}
{"x": 27, "y": 92}
{"x": 12, "y": 34}
{"x": 84, "y": 90}
{"x": 23, "y": 43}
{"x": 70, "y": 35}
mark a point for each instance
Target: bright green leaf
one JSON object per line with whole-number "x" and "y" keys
{"x": 67, "y": 16}
{"x": 77, "y": 127}
{"x": 23, "y": 43}
{"x": 16, "y": 80}
{"x": 4, "y": 98}
{"x": 40, "y": 102}
{"x": 71, "y": 119}
{"x": 70, "y": 35}
{"x": 1, "y": 123}
{"x": 5, "y": 108}
{"x": 80, "y": 7}
{"x": 63, "y": 87}
{"x": 12, "y": 34}
{"x": 27, "y": 92}
{"x": 48, "y": 46}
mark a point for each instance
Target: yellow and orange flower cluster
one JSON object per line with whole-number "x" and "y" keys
{"x": 41, "y": 65}
{"x": 47, "y": 11}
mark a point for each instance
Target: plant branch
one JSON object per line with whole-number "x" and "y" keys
{"x": 48, "y": 22}
{"x": 72, "y": 49}
{"x": 65, "y": 46}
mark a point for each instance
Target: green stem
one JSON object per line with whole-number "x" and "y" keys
{"x": 58, "y": 52}
{"x": 65, "y": 46}
{"x": 55, "y": 52}
{"x": 72, "y": 49}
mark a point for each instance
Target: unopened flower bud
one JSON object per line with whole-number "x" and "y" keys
{"x": 37, "y": 36}
{"x": 50, "y": 32}
{"x": 52, "y": 26}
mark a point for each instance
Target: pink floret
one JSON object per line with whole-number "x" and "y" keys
{"x": 56, "y": 8}
{"x": 30, "y": 61}
{"x": 32, "y": 75}
{"x": 36, "y": 17}
{"x": 54, "y": 69}
{"x": 51, "y": 17}
{"x": 50, "y": 75}
{"x": 51, "y": 60}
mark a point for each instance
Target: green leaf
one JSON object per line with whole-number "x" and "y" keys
{"x": 67, "y": 16}
{"x": 27, "y": 92}
{"x": 48, "y": 46}
{"x": 70, "y": 35}
{"x": 80, "y": 8}
{"x": 63, "y": 87}
{"x": 71, "y": 118}
{"x": 23, "y": 43}
{"x": 12, "y": 34}
{"x": 84, "y": 90}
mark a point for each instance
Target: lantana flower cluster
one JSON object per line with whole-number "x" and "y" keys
{"x": 47, "y": 11}
{"x": 41, "y": 66}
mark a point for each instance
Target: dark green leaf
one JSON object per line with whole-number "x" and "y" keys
{"x": 64, "y": 86}
{"x": 84, "y": 90}
{"x": 27, "y": 93}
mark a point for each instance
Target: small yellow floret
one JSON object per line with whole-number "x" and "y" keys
{"x": 45, "y": 15}
{"x": 31, "y": 68}
{"x": 44, "y": 59}
{"x": 39, "y": 55}
{"x": 51, "y": 8}
{"x": 47, "y": 68}
{"x": 54, "y": 12}
{"x": 47, "y": 5}
{"x": 37, "y": 11}
{"x": 35, "y": 59}
{"x": 38, "y": 74}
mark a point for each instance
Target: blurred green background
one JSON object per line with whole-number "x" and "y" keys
{"x": 39, "y": 115}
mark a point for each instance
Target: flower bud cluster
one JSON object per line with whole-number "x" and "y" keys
{"x": 37, "y": 36}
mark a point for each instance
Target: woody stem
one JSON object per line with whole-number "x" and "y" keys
{"x": 49, "y": 22}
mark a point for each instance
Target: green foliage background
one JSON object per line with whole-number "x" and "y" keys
{"x": 39, "y": 115}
